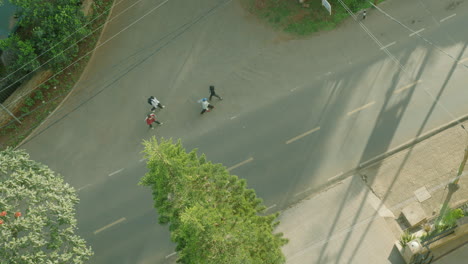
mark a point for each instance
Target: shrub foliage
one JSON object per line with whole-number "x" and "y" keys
{"x": 37, "y": 215}
{"x": 47, "y": 33}
{"x": 213, "y": 217}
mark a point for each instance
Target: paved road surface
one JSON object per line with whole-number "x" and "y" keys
{"x": 296, "y": 114}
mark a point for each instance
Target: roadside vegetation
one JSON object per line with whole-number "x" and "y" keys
{"x": 37, "y": 214}
{"x": 212, "y": 215}
{"x": 305, "y": 18}
{"x": 50, "y": 35}
{"x": 433, "y": 228}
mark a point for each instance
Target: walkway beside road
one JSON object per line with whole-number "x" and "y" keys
{"x": 296, "y": 113}
{"x": 356, "y": 220}
{"x": 339, "y": 225}
{"x": 421, "y": 170}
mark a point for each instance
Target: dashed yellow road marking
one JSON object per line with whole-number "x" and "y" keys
{"x": 302, "y": 135}
{"x": 406, "y": 87}
{"x": 361, "y": 108}
{"x": 240, "y": 164}
{"x": 110, "y": 225}
{"x": 463, "y": 60}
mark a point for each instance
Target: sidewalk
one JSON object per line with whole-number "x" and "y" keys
{"x": 356, "y": 221}
{"x": 339, "y": 225}
{"x": 421, "y": 170}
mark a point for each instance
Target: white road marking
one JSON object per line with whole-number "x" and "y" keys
{"x": 115, "y": 172}
{"x": 417, "y": 32}
{"x": 170, "y": 255}
{"x": 81, "y": 188}
{"x": 388, "y": 45}
{"x": 302, "y": 135}
{"x": 361, "y": 108}
{"x": 271, "y": 207}
{"x": 240, "y": 164}
{"x": 463, "y": 60}
{"x": 306, "y": 190}
{"x": 406, "y": 87}
{"x": 142, "y": 160}
{"x": 446, "y": 18}
{"x": 110, "y": 225}
{"x": 336, "y": 176}
{"x": 233, "y": 117}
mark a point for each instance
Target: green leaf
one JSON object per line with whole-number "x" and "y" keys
{"x": 212, "y": 215}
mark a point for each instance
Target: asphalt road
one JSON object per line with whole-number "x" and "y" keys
{"x": 296, "y": 114}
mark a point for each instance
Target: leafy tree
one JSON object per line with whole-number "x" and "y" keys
{"x": 52, "y": 28}
{"x": 55, "y": 26}
{"x": 24, "y": 56}
{"x": 213, "y": 217}
{"x": 37, "y": 215}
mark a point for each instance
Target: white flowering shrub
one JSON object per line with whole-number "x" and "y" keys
{"x": 37, "y": 214}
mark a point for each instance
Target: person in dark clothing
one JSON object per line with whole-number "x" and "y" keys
{"x": 213, "y": 93}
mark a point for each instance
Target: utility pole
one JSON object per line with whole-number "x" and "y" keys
{"x": 452, "y": 187}
{"x": 462, "y": 167}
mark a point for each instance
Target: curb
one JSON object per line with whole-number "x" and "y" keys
{"x": 404, "y": 146}
{"x": 412, "y": 142}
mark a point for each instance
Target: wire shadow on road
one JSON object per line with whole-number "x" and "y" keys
{"x": 182, "y": 29}
{"x": 377, "y": 137}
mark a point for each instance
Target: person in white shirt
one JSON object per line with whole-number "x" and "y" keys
{"x": 205, "y": 105}
{"x": 155, "y": 103}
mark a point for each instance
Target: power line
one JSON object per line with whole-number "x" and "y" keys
{"x": 101, "y": 44}
{"x": 183, "y": 28}
{"x": 125, "y": 10}
{"x": 57, "y": 44}
{"x": 392, "y": 57}
{"x": 419, "y": 35}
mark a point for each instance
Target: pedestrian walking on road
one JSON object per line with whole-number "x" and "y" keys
{"x": 213, "y": 93}
{"x": 205, "y": 105}
{"x": 155, "y": 103}
{"x": 150, "y": 119}
{"x": 364, "y": 14}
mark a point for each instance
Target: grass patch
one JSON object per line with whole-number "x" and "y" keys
{"x": 43, "y": 100}
{"x": 292, "y": 17}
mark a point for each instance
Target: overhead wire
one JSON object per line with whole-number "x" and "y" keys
{"x": 90, "y": 33}
{"x": 393, "y": 58}
{"x": 419, "y": 35}
{"x": 370, "y": 34}
{"x": 89, "y": 52}
{"x": 183, "y": 28}
{"x": 426, "y": 40}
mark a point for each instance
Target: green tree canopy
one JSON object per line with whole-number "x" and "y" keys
{"x": 37, "y": 215}
{"x": 213, "y": 217}
{"x": 48, "y": 32}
